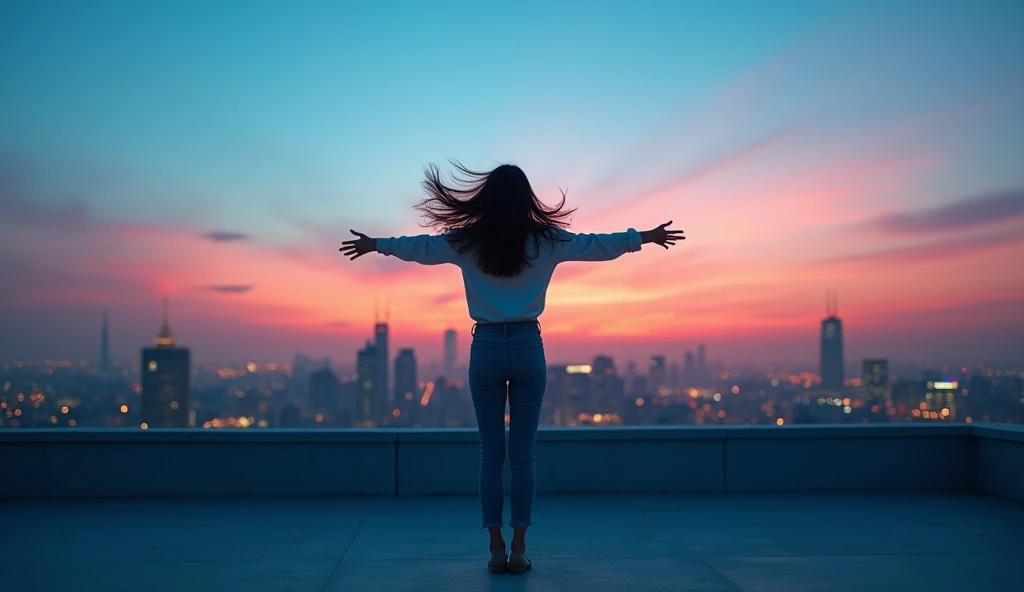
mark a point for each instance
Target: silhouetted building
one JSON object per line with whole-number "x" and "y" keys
{"x": 105, "y": 366}
{"x": 165, "y": 382}
{"x": 689, "y": 369}
{"x": 450, "y": 352}
{"x": 325, "y": 392}
{"x": 832, "y": 349}
{"x": 874, "y": 381}
{"x": 405, "y": 385}
{"x": 656, "y": 378}
{"x": 702, "y": 363}
{"x": 299, "y": 385}
{"x": 381, "y": 384}
{"x": 630, "y": 378}
{"x": 368, "y": 404}
{"x": 606, "y": 388}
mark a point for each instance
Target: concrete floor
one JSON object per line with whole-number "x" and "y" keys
{"x": 591, "y": 543}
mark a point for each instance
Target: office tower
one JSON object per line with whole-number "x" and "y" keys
{"x": 368, "y": 406}
{"x": 656, "y": 379}
{"x": 325, "y": 392}
{"x": 603, "y": 366}
{"x": 165, "y": 378}
{"x": 450, "y": 352}
{"x": 630, "y": 377}
{"x": 381, "y": 384}
{"x": 702, "y": 363}
{"x": 874, "y": 381}
{"x": 674, "y": 378}
{"x": 299, "y": 385}
{"x": 831, "y": 348}
{"x": 405, "y": 385}
{"x": 105, "y": 366}
{"x": 689, "y": 369}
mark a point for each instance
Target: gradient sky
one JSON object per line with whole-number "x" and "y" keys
{"x": 218, "y": 153}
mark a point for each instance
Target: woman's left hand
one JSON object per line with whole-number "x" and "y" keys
{"x": 358, "y": 247}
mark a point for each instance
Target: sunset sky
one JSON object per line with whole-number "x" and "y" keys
{"x": 217, "y": 153}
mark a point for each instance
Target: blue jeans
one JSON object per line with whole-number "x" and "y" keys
{"x": 506, "y": 360}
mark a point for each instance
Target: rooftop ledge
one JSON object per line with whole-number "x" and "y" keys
{"x": 85, "y": 462}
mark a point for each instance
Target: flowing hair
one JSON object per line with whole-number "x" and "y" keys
{"x": 493, "y": 212}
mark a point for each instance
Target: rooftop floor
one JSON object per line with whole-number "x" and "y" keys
{"x": 728, "y": 542}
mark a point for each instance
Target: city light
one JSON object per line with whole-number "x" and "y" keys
{"x": 578, "y": 369}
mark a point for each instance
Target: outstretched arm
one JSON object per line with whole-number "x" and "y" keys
{"x": 426, "y": 249}
{"x": 605, "y": 247}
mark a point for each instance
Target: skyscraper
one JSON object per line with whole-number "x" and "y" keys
{"x": 325, "y": 392}
{"x": 165, "y": 382}
{"x": 382, "y": 393}
{"x": 831, "y": 347}
{"x": 874, "y": 381}
{"x": 405, "y": 384}
{"x": 105, "y": 366}
{"x": 368, "y": 406}
{"x": 702, "y": 363}
{"x": 689, "y": 369}
{"x": 656, "y": 378}
{"x": 450, "y": 352}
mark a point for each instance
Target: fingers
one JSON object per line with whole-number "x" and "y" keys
{"x": 359, "y": 234}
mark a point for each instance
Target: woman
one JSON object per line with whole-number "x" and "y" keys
{"x": 507, "y": 244}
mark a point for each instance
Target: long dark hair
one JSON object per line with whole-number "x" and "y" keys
{"x": 492, "y": 211}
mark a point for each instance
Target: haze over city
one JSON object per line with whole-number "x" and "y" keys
{"x": 803, "y": 147}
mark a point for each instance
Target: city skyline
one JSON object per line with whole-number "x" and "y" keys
{"x": 867, "y": 148}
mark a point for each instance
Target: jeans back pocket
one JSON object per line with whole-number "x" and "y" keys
{"x": 483, "y": 361}
{"x": 532, "y": 362}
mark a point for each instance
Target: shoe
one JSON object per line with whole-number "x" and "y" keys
{"x": 498, "y": 563}
{"x": 518, "y": 562}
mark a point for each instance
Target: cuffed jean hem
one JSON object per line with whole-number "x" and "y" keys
{"x": 492, "y": 525}
{"x": 519, "y": 523}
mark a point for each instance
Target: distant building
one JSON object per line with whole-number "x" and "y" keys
{"x": 689, "y": 369}
{"x": 325, "y": 392}
{"x": 450, "y": 352}
{"x": 165, "y": 382}
{"x": 405, "y": 385}
{"x": 105, "y": 365}
{"x": 381, "y": 384}
{"x": 832, "y": 349}
{"x": 656, "y": 377}
{"x": 702, "y": 363}
{"x": 874, "y": 380}
{"x": 368, "y": 405}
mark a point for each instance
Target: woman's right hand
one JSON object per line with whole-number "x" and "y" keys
{"x": 661, "y": 236}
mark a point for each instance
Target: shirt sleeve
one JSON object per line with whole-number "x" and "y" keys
{"x": 427, "y": 249}
{"x": 599, "y": 247}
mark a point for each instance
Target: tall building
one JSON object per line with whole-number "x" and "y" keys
{"x": 689, "y": 369}
{"x": 405, "y": 384}
{"x": 831, "y": 347}
{"x": 656, "y": 376}
{"x": 380, "y": 332}
{"x": 325, "y": 392}
{"x": 450, "y": 352}
{"x": 874, "y": 380}
{"x": 105, "y": 366}
{"x": 165, "y": 382}
{"x": 630, "y": 378}
{"x": 368, "y": 406}
{"x": 702, "y": 363}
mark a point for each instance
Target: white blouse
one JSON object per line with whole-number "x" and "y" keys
{"x": 499, "y": 299}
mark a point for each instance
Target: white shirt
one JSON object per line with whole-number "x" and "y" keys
{"x": 499, "y": 299}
